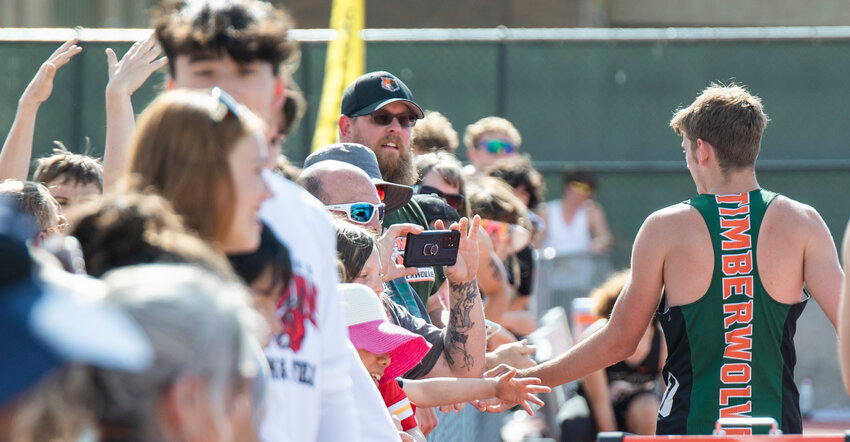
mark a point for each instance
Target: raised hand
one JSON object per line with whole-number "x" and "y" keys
{"x": 41, "y": 86}
{"x": 389, "y": 267}
{"x": 129, "y": 74}
{"x": 466, "y": 266}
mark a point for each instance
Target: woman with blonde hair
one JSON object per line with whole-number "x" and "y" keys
{"x": 205, "y": 154}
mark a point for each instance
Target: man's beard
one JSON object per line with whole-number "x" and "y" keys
{"x": 397, "y": 169}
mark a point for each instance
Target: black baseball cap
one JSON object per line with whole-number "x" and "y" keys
{"x": 375, "y": 90}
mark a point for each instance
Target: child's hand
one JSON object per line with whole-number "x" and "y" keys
{"x": 41, "y": 86}
{"x": 129, "y": 74}
{"x": 452, "y": 407}
{"x": 519, "y": 390}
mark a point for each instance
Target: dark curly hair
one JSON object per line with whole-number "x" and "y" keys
{"x": 247, "y": 30}
{"x": 517, "y": 171}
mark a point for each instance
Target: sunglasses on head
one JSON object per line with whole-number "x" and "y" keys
{"x": 360, "y": 213}
{"x": 496, "y": 146}
{"x": 229, "y": 105}
{"x": 386, "y": 118}
{"x": 453, "y": 199}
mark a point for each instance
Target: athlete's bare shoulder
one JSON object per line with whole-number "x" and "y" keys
{"x": 793, "y": 216}
{"x": 676, "y": 219}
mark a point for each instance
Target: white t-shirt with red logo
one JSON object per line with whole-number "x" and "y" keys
{"x": 310, "y": 394}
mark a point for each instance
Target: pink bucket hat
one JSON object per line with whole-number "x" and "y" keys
{"x": 370, "y": 330}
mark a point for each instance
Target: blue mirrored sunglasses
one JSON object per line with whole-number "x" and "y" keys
{"x": 361, "y": 212}
{"x": 496, "y": 146}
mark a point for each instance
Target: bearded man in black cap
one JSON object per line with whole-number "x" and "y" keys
{"x": 378, "y": 112}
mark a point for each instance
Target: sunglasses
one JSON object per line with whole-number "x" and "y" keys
{"x": 496, "y": 146}
{"x": 453, "y": 199}
{"x": 517, "y": 235}
{"x": 360, "y": 213}
{"x": 386, "y": 118}
{"x": 229, "y": 105}
{"x": 580, "y": 187}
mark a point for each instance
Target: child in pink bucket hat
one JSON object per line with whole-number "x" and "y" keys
{"x": 388, "y": 351}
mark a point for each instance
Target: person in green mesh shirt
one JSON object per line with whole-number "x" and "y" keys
{"x": 725, "y": 273}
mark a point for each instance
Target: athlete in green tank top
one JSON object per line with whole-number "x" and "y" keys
{"x": 695, "y": 266}
{"x": 731, "y": 353}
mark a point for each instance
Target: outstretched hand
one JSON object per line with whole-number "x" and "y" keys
{"x": 520, "y": 390}
{"x": 389, "y": 267}
{"x": 41, "y": 86}
{"x": 129, "y": 74}
{"x": 466, "y": 266}
{"x": 511, "y": 391}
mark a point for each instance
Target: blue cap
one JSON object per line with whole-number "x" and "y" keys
{"x": 49, "y": 317}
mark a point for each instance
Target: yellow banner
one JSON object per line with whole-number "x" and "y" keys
{"x": 343, "y": 64}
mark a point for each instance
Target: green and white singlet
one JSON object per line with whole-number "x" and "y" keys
{"x": 730, "y": 353}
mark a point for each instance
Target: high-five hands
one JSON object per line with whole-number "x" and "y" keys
{"x": 511, "y": 391}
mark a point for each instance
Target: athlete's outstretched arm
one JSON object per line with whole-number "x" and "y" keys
{"x": 821, "y": 269}
{"x": 844, "y": 314}
{"x": 629, "y": 320}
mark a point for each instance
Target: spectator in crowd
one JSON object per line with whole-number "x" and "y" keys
{"x": 267, "y": 272}
{"x": 137, "y": 228}
{"x": 434, "y": 133}
{"x": 338, "y": 182}
{"x": 436, "y": 209}
{"x": 34, "y": 199}
{"x": 17, "y": 150}
{"x": 489, "y": 139}
{"x": 69, "y": 177}
{"x": 442, "y": 175}
{"x": 200, "y": 387}
{"x": 49, "y": 319}
{"x": 188, "y": 141}
{"x": 623, "y": 396}
{"x": 528, "y": 186}
{"x": 378, "y": 111}
{"x": 576, "y": 223}
{"x": 504, "y": 218}
{"x": 388, "y": 351}
{"x": 248, "y": 41}
{"x": 681, "y": 266}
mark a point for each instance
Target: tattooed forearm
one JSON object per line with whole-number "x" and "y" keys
{"x": 460, "y": 324}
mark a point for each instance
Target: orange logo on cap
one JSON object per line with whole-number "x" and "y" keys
{"x": 389, "y": 84}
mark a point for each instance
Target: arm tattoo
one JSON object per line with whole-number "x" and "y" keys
{"x": 460, "y": 323}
